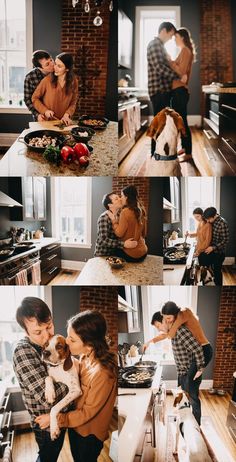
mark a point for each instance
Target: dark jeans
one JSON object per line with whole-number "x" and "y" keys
{"x": 179, "y": 102}
{"x": 192, "y": 386}
{"x": 216, "y": 261}
{"x": 84, "y": 448}
{"x": 159, "y": 101}
{"x": 121, "y": 253}
{"x": 48, "y": 450}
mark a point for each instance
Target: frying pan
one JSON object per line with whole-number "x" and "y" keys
{"x": 127, "y": 376}
{"x": 60, "y": 139}
{"x": 146, "y": 365}
{"x": 171, "y": 251}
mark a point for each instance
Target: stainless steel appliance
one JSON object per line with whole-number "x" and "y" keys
{"x": 19, "y": 260}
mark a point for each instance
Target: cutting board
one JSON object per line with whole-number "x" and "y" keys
{"x": 50, "y": 125}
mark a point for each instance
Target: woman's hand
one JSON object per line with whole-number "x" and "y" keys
{"x": 41, "y": 118}
{"x": 111, "y": 216}
{"x": 66, "y": 119}
{"x": 43, "y": 421}
{"x": 49, "y": 114}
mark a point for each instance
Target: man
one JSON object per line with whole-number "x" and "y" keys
{"x": 43, "y": 65}
{"x": 34, "y": 316}
{"x": 215, "y": 254}
{"x": 189, "y": 360}
{"x": 160, "y": 75}
{"x": 107, "y": 242}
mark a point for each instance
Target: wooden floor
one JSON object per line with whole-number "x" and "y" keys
{"x": 229, "y": 276}
{"x": 64, "y": 278}
{"x": 136, "y": 161}
{"x": 216, "y": 408}
{"x": 25, "y": 447}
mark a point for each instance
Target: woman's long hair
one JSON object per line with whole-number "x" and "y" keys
{"x": 90, "y": 326}
{"x": 134, "y": 203}
{"x": 170, "y": 308}
{"x": 67, "y": 59}
{"x": 199, "y": 211}
{"x": 188, "y": 41}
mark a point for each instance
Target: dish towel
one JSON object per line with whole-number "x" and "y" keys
{"x": 36, "y": 274}
{"x": 137, "y": 117}
{"x": 21, "y": 278}
{"x": 128, "y": 122}
{"x": 7, "y": 457}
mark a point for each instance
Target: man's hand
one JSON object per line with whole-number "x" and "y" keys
{"x": 66, "y": 119}
{"x": 198, "y": 374}
{"x": 187, "y": 233}
{"x": 184, "y": 78}
{"x": 41, "y": 118}
{"x": 111, "y": 216}
{"x": 43, "y": 421}
{"x": 209, "y": 250}
{"x": 145, "y": 346}
{"x": 49, "y": 114}
{"x": 130, "y": 244}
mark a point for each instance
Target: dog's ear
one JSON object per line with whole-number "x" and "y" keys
{"x": 150, "y": 131}
{"x": 180, "y": 125}
{"x": 178, "y": 399}
{"x": 157, "y": 124}
{"x": 187, "y": 394}
{"x": 68, "y": 363}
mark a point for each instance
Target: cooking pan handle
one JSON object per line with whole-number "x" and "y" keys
{"x": 21, "y": 139}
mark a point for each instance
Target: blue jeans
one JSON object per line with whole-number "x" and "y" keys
{"x": 179, "y": 102}
{"x": 48, "y": 450}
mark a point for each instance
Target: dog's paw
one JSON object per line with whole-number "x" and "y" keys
{"x": 54, "y": 432}
{"x": 50, "y": 395}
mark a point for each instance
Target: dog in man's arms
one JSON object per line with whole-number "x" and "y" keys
{"x": 61, "y": 368}
{"x": 166, "y": 129}
{"x": 196, "y": 448}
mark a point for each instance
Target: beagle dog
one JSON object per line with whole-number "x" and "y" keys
{"x": 166, "y": 129}
{"x": 196, "y": 448}
{"x": 205, "y": 276}
{"x": 61, "y": 368}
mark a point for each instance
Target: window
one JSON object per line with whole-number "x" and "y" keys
{"x": 153, "y": 298}
{"x": 71, "y": 210}
{"x": 10, "y": 331}
{"x": 15, "y": 49}
{"x": 198, "y": 192}
{"x": 147, "y": 22}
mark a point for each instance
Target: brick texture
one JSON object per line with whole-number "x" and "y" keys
{"x": 216, "y": 46}
{"x": 79, "y": 35}
{"x": 104, "y": 299}
{"x": 225, "y": 358}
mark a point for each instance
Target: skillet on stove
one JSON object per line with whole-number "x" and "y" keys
{"x": 175, "y": 255}
{"x": 145, "y": 365}
{"x": 60, "y": 139}
{"x": 138, "y": 377}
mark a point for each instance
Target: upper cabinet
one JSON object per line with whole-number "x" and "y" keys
{"x": 31, "y": 192}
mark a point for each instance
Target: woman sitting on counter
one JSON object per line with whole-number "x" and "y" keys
{"x": 203, "y": 232}
{"x": 57, "y": 94}
{"x": 131, "y": 224}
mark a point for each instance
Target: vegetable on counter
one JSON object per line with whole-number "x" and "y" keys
{"x": 67, "y": 154}
{"x": 53, "y": 155}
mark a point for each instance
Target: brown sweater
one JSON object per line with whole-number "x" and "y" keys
{"x": 129, "y": 227}
{"x": 182, "y": 65}
{"x": 187, "y": 317}
{"x": 204, "y": 236}
{"x": 47, "y": 97}
{"x": 95, "y": 406}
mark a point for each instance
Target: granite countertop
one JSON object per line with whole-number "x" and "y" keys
{"x": 20, "y": 161}
{"x": 217, "y": 89}
{"x": 133, "y": 410}
{"x": 97, "y": 271}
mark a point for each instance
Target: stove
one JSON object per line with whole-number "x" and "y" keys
{"x": 21, "y": 259}
{"x": 124, "y": 384}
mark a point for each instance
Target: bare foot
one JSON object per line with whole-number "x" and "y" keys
{"x": 184, "y": 157}
{"x": 181, "y": 151}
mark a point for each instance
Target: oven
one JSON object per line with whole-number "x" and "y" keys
{"x": 11, "y": 267}
{"x": 227, "y": 139}
{"x": 157, "y": 412}
{"x": 6, "y": 428}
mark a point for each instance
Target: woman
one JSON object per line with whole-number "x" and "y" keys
{"x": 88, "y": 424}
{"x": 57, "y": 94}
{"x": 180, "y": 94}
{"x": 203, "y": 235}
{"x": 131, "y": 223}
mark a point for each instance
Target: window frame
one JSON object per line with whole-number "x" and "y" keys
{"x": 17, "y": 109}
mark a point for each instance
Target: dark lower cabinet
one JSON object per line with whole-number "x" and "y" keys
{"x": 50, "y": 257}
{"x": 231, "y": 419}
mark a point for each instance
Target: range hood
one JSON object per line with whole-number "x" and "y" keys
{"x": 124, "y": 306}
{"x": 6, "y": 201}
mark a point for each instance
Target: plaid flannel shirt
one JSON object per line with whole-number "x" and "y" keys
{"x": 31, "y": 372}
{"x": 107, "y": 241}
{"x": 186, "y": 349}
{"x": 160, "y": 75}
{"x": 220, "y": 235}
{"x": 32, "y": 79}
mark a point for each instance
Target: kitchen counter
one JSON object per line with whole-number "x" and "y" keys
{"x": 20, "y": 161}
{"x": 134, "y": 410}
{"x": 217, "y": 89}
{"x": 97, "y": 271}
{"x": 39, "y": 243}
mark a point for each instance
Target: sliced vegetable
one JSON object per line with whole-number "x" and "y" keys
{"x": 52, "y": 154}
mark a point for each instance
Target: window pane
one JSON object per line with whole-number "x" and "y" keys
{"x": 199, "y": 194}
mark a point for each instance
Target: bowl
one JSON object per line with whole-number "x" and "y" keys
{"x": 82, "y": 134}
{"x": 116, "y": 262}
{"x": 221, "y": 392}
{"x": 94, "y": 122}
{"x": 212, "y": 391}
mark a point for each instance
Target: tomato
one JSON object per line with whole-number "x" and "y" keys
{"x": 80, "y": 150}
{"x": 84, "y": 161}
{"x": 67, "y": 154}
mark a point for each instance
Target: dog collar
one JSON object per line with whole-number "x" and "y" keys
{"x": 184, "y": 407}
{"x": 160, "y": 157}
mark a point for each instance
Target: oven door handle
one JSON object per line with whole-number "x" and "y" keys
{"x": 229, "y": 107}
{"x": 5, "y": 401}
{"x": 229, "y": 143}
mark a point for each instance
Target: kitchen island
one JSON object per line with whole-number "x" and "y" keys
{"x": 97, "y": 271}
{"x": 132, "y": 411}
{"x": 20, "y": 161}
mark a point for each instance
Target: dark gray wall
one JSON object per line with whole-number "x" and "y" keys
{"x": 154, "y": 238}
{"x": 227, "y": 210}
{"x": 190, "y": 18}
{"x": 65, "y": 304}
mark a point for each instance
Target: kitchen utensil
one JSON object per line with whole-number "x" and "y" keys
{"x": 138, "y": 377}
{"x": 116, "y": 262}
{"x": 126, "y": 394}
{"x": 87, "y": 121}
{"x": 185, "y": 243}
{"x": 145, "y": 364}
{"x": 6, "y": 253}
{"x": 77, "y": 131}
{"x": 175, "y": 255}
{"x": 60, "y": 139}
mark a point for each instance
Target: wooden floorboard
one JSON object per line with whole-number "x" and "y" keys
{"x": 136, "y": 161}
{"x": 64, "y": 278}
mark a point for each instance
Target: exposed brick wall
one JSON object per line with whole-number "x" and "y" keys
{"x": 225, "y": 358}
{"x": 216, "y": 41}
{"x": 104, "y": 299}
{"x": 142, "y": 184}
{"x": 78, "y": 30}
